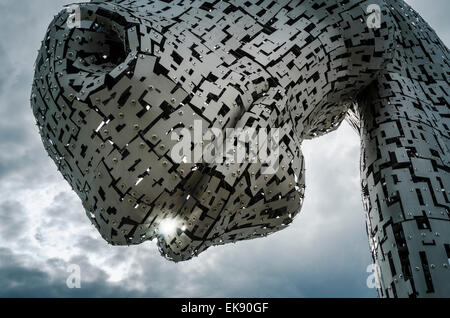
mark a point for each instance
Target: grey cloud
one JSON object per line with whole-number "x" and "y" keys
{"x": 20, "y": 280}
{"x": 13, "y": 220}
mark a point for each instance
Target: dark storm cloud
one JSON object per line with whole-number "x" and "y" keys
{"x": 20, "y": 280}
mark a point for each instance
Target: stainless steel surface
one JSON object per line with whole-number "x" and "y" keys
{"x": 107, "y": 94}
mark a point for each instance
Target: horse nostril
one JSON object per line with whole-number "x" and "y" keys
{"x": 98, "y": 51}
{"x": 112, "y": 51}
{"x": 94, "y": 52}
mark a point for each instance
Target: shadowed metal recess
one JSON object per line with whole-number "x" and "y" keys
{"x": 108, "y": 93}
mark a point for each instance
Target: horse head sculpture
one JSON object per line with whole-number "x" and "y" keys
{"x": 126, "y": 93}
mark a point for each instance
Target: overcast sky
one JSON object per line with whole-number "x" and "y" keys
{"x": 43, "y": 227}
